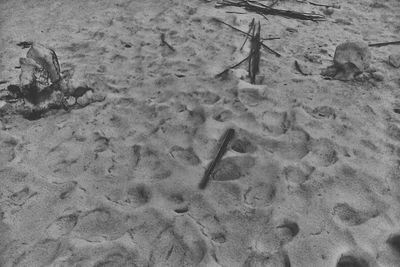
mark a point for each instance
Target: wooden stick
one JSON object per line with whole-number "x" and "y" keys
{"x": 234, "y": 66}
{"x": 384, "y": 44}
{"x": 248, "y": 33}
{"x": 316, "y": 4}
{"x": 163, "y": 42}
{"x": 262, "y": 44}
{"x": 222, "y": 149}
{"x": 254, "y": 57}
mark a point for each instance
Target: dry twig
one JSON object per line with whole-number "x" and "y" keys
{"x": 384, "y": 44}
{"x": 254, "y": 57}
{"x": 163, "y": 42}
{"x": 222, "y": 149}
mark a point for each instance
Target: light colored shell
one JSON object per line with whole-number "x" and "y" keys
{"x": 352, "y": 53}
{"x": 47, "y": 59}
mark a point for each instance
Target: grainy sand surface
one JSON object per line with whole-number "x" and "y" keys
{"x": 312, "y": 177}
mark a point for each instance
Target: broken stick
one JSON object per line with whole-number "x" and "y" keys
{"x": 384, "y": 44}
{"x": 248, "y": 33}
{"x": 254, "y": 57}
{"x": 163, "y": 42}
{"x": 222, "y": 149}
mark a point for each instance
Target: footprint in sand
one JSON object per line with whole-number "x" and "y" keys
{"x": 353, "y": 261}
{"x": 297, "y": 174}
{"x": 166, "y": 242}
{"x": 227, "y": 194}
{"x": 180, "y": 245}
{"x": 292, "y": 145}
{"x": 260, "y": 195}
{"x": 117, "y": 258}
{"x": 68, "y": 189}
{"x": 7, "y": 150}
{"x": 393, "y": 131}
{"x": 351, "y": 216}
{"x": 223, "y": 115}
{"x": 243, "y": 145}
{"x": 276, "y": 123}
{"x": 206, "y": 97}
{"x": 21, "y": 196}
{"x": 62, "y": 225}
{"x": 251, "y": 97}
{"x": 394, "y": 243}
{"x": 321, "y": 112}
{"x": 185, "y": 155}
{"x": 138, "y": 195}
{"x": 323, "y": 152}
{"x": 278, "y": 259}
{"x": 99, "y": 224}
{"x": 42, "y": 253}
{"x": 287, "y": 230}
{"x": 232, "y": 168}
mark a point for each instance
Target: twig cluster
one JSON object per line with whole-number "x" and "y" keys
{"x": 262, "y": 9}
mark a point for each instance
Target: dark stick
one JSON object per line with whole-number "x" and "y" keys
{"x": 165, "y": 42}
{"x": 262, "y": 44}
{"x": 234, "y": 66}
{"x": 385, "y": 43}
{"x": 222, "y": 149}
{"x": 254, "y": 57}
{"x": 316, "y": 4}
{"x": 25, "y": 44}
{"x": 247, "y": 36}
{"x": 298, "y": 68}
{"x": 270, "y": 38}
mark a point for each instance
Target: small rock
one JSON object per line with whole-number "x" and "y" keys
{"x": 350, "y": 59}
{"x": 378, "y": 76}
{"x": 394, "y": 60}
{"x": 328, "y": 11}
{"x": 83, "y": 100}
{"x": 355, "y": 53}
{"x": 71, "y": 101}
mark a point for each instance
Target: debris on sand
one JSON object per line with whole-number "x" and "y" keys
{"x": 221, "y": 151}
{"x": 254, "y": 57}
{"x": 41, "y": 86}
{"x": 259, "y": 8}
{"x": 350, "y": 60}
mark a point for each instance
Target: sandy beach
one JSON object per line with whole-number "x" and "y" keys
{"x": 311, "y": 177}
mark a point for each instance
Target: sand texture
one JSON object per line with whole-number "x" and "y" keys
{"x": 311, "y": 178}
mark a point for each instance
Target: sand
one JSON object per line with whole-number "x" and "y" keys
{"x": 312, "y": 177}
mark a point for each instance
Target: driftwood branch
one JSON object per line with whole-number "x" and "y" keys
{"x": 245, "y": 33}
{"x": 229, "y": 134}
{"x": 257, "y": 7}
